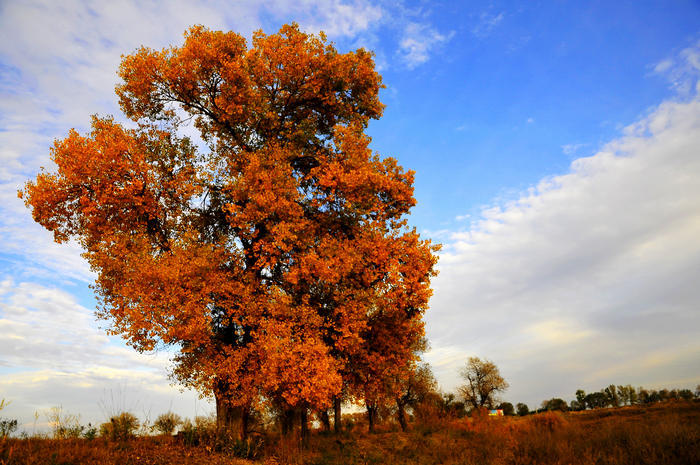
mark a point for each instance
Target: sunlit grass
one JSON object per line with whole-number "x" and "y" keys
{"x": 662, "y": 433}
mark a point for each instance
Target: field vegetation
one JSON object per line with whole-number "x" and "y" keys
{"x": 663, "y": 432}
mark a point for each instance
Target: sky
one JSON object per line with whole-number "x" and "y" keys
{"x": 556, "y": 147}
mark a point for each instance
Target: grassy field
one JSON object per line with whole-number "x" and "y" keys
{"x": 663, "y": 433}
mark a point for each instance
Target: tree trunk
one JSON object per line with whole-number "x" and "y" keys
{"x": 233, "y": 419}
{"x": 336, "y": 414}
{"x": 371, "y": 415}
{"x": 325, "y": 419}
{"x": 287, "y": 421}
{"x": 243, "y": 430}
{"x": 304, "y": 433}
{"x": 402, "y": 416}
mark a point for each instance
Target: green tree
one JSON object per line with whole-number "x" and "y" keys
{"x": 522, "y": 409}
{"x": 507, "y": 408}
{"x": 623, "y": 394}
{"x": 611, "y": 395}
{"x": 555, "y": 404}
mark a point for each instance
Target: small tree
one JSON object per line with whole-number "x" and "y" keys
{"x": 167, "y": 422}
{"x": 555, "y": 404}
{"x": 507, "y": 408}
{"x": 484, "y": 382}
{"x": 414, "y": 389}
{"x": 522, "y": 409}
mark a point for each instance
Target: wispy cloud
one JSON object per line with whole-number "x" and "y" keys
{"x": 418, "y": 42}
{"x": 487, "y": 24}
{"x": 683, "y": 70}
{"x": 570, "y": 149}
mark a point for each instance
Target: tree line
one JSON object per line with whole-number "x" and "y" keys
{"x": 617, "y": 396}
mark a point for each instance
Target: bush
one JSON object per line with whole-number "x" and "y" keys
{"x": 120, "y": 427}
{"x": 64, "y": 425}
{"x": 167, "y": 423}
{"x": 7, "y": 427}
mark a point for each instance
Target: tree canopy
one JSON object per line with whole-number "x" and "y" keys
{"x": 276, "y": 260}
{"x": 484, "y": 382}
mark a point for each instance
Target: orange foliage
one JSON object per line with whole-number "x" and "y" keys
{"x": 278, "y": 263}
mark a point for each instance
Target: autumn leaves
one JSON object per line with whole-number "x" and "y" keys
{"x": 277, "y": 262}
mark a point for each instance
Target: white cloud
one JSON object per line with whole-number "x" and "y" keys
{"x": 487, "y": 24}
{"x": 335, "y": 18}
{"x": 53, "y": 353}
{"x": 683, "y": 71}
{"x": 418, "y": 42}
{"x": 590, "y": 278}
{"x": 570, "y": 149}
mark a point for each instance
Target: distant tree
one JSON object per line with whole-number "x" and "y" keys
{"x": 581, "y": 398}
{"x": 596, "y": 400}
{"x": 611, "y": 395}
{"x": 633, "y": 394}
{"x": 556, "y": 404}
{"x": 522, "y": 409}
{"x": 697, "y": 391}
{"x": 664, "y": 395}
{"x": 653, "y": 396}
{"x": 685, "y": 394}
{"x": 507, "y": 408}
{"x": 623, "y": 394}
{"x": 576, "y": 406}
{"x": 484, "y": 382}
{"x": 643, "y": 395}
{"x": 451, "y": 407}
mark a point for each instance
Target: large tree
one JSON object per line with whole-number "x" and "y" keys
{"x": 277, "y": 261}
{"x": 484, "y": 382}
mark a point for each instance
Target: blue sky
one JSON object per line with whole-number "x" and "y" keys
{"x": 555, "y": 146}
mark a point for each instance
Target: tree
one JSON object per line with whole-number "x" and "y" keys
{"x": 555, "y": 404}
{"x": 611, "y": 395}
{"x": 507, "y": 408}
{"x": 596, "y": 400}
{"x": 522, "y": 409}
{"x": 685, "y": 394}
{"x": 484, "y": 382}
{"x": 581, "y": 398}
{"x": 412, "y": 390}
{"x": 623, "y": 394}
{"x": 576, "y": 406}
{"x": 277, "y": 263}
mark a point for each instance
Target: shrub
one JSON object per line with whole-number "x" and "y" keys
{"x": 64, "y": 425}
{"x": 120, "y": 427}
{"x": 167, "y": 423}
{"x": 7, "y": 427}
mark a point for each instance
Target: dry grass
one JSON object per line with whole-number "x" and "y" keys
{"x": 667, "y": 433}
